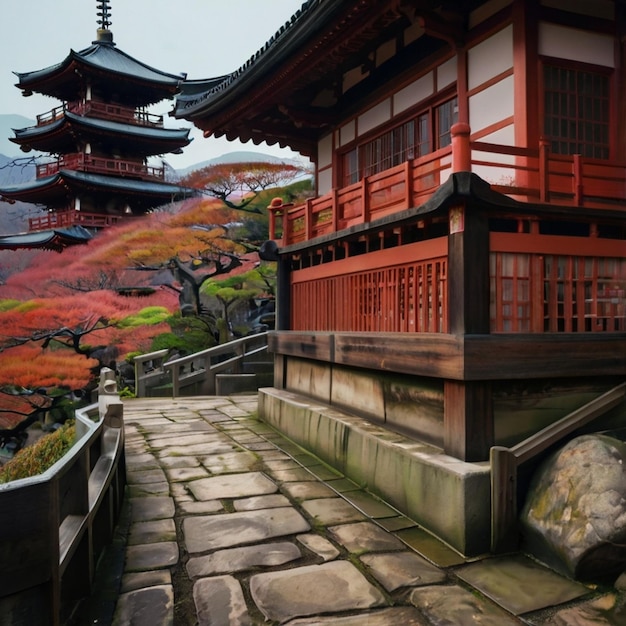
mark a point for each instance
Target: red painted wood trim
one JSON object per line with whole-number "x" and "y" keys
{"x": 525, "y": 243}
{"x": 419, "y": 251}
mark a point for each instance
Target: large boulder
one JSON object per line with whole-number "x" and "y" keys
{"x": 574, "y": 518}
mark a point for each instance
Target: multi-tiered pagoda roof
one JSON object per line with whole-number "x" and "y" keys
{"x": 100, "y": 138}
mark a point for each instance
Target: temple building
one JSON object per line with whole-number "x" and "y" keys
{"x": 452, "y": 304}
{"x": 100, "y": 139}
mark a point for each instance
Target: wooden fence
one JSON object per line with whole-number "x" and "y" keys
{"x": 196, "y": 373}
{"x": 530, "y": 175}
{"x": 505, "y": 463}
{"x": 55, "y": 526}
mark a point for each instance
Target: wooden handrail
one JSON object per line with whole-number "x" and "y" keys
{"x": 199, "y": 368}
{"x": 70, "y": 217}
{"x": 531, "y": 174}
{"x": 505, "y": 463}
{"x": 55, "y": 522}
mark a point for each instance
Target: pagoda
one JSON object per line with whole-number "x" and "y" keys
{"x": 99, "y": 139}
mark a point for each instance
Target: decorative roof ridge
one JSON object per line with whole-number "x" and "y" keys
{"x": 228, "y": 79}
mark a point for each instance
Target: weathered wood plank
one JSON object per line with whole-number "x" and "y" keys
{"x": 423, "y": 354}
{"x": 468, "y": 429}
{"x": 319, "y": 346}
{"x": 504, "y": 535}
{"x": 492, "y": 357}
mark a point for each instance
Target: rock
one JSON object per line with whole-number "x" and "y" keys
{"x": 574, "y": 518}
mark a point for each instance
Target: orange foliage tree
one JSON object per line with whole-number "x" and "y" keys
{"x": 238, "y": 184}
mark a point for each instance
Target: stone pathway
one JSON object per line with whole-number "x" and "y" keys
{"x": 232, "y": 524}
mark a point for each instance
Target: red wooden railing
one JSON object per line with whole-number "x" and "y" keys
{"x": 113, "y": 112}
{"x": 65, "y": 219}
{"x": 568, "y": 288}
{"x": 544, "y": 283}
{"x": 530, "y": 175}
{"x": 100, "y": 165}
{"x": 377, "y": 291}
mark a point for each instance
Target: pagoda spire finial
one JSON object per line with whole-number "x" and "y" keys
{"x": 104, "y": 35}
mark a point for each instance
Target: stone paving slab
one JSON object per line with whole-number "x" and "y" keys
{"x": 220, "y": 602}
{"x": 152, "y": 531}
{"x": 520, "y": 585}
{"x": 314, "y": 589}
{"x": 151, "y": 556}
{"x": 247, "y": 535}
{"x": 365, "y": 537}
{"x": 402, "y": 569}
{"x": 240, "y": 559}
{"x": 272, "y": 501}
{"x": 320, "y": 545}
{"x": 328, "y": 511}
{"x": 232, "y": 486}
{"x": 152, "y": 605}
{"x": 448, "y": 605}
{"x": 157, "y": 507}
{"x": 208, "y": 533}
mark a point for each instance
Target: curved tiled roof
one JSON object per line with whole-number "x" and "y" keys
{"x": 103, "y": 56}
{"x": 136, "y": 82}
{"x": 56, "y": 239}
{"x": 151, "y": 139}
{"x": 194, "y": 94}
{"x": 64, "y": 180}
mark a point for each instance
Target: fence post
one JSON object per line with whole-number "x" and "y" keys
{"x": 578, "y": 180}
{"x": 504, "y": 532}
{"x": 544, "y": 174}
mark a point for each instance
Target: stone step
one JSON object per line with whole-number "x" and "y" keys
{"x": 448, "y": 497}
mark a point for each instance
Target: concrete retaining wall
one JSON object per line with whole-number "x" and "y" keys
{"x": 448, "y": 497}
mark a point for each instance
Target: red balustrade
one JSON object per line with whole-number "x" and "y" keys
{"x": 529, "y": 175}
{"x": 100, "y": 165}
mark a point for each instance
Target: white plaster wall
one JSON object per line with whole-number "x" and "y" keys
{"x": 490, "y": 57}
{"x": 347, "y": 133}
{"x": 563, "y": 42}
{"x": 417, "y": 91}
{"x": 375, "y": 116}
{"x": 446, "y": 73}
{"x": 494, "y": 174}
{"x": 491, "y": 105}
{"x": 324, "y": 181}
{"x": 325, "y": 151}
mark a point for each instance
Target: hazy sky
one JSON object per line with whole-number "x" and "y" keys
{"x": 203, "y": 38}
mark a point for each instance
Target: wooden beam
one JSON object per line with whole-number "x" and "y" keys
{"x": 468, "y": 430}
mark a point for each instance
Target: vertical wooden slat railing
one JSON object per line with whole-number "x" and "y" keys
{"x": 529, "y": 174}
{"x": 49, "y": 539}
{"x": 505, "y": 463}
{"x": 197, "y": 370}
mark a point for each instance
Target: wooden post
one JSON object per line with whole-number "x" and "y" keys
{"x": 544, "y": 173}
{"x": 468, "y": 431}
{"x": 468, "y": 272}
{"x": 461, "y": 152}
{"x": 283, "y": 299}
{"x": 578, "y": 180}
{"x": 504, "y": 531}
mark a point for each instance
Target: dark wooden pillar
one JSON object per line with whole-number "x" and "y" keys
{"x": 468, "y": 272}
{"x": 283, "y": 294}
{"x": 468, "y": 411}
{"x": 467, "y": 420}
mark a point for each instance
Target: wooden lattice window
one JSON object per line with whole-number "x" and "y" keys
{"x": 576, "y": 111}
{"x": 428, "y": 130}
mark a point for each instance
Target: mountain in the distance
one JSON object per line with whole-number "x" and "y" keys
{"x": 239, "y": 156}
{"x": 7, "y": 124}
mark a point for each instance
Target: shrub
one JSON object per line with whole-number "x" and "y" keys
{"x": 37, "y": 458}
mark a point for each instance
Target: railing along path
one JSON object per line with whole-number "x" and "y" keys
{"x": 198, "y": 370}
{"x": 54, "y": 526}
